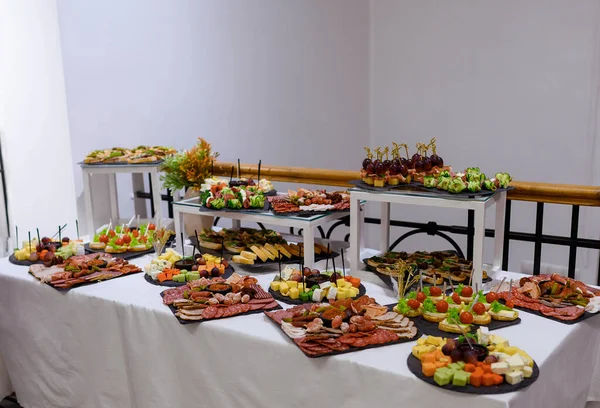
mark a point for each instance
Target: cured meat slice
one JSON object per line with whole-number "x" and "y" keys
{"x": 259, "y": 306}
{"x": 271, "y": 305}
{"x": 210, "y": 312}
{"x": 220, "y": 312}
{"x": 261, "y": 301}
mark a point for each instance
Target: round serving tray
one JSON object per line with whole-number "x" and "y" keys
{"x": 278, "y": 296}
{"x": 414, "y": 365}
{"x": 228, "y": 272}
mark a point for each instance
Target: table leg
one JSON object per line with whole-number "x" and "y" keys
{"x": 479, "y": 236}
{"x": 499, "y": 232}
{"x": 236, "y": 224}
{"x": 156, "y": 196}
{"x": 87, "y": 197}
{"x": 384, "y": 244}
{"x": 309, "y": 246}
{"x": 113, "y": 197}
{"x": 355, "y": 233}
{"x": 178, "y": 221}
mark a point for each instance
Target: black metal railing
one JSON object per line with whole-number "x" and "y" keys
{"x": 538, "y": 238}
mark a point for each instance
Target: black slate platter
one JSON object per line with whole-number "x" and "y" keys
{"x": 410, "y": 187}
{"x": 89, "y": 283}
{"x": 350, "y": 350}
{"x": 462, "y": 194}
{"x": 432, "y": 329}
{"x": 13, "y": 260}
{"x": 185, "y": 322}
{"x": 388, "y": 280}
{"x": 285, "y": 299}
{"x": 124, "y": 255}
{"x": 414, "y": 365}
{"x": 584, "y": 316}
{"x": 228, "y": 272}
{"x": 308, "y": 214}
{"x": 258, "y": 263}
{"x": 265, "y": 208}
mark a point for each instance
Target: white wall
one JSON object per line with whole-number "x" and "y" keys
{"x": 507, "y": 86}
{"x": 284, "y": 82}
{"x": 33, "y": 119}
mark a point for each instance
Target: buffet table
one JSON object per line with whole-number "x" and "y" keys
{"x": 115, "y": 345}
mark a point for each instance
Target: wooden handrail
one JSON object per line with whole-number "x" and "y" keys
{"x": 524, "y": 190}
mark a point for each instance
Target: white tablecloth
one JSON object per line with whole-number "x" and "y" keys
{"x": 115, "y": 345}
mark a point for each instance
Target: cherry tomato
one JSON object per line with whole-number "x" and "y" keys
{"x": 103, "y": 238}
{"x": 467, "y": 291}
{"x": 112, "y": 233}
{"x": 421, "y": 297}
{"x": 456, "y": 298}
{"x": 413, "y": 304}
{"x": 119, "y": 241}
{"x": 151, "y": 227}
{"x": 441, "y": 306}
{"x": 466, "y": 318}
{"x": 490, "y": 297}
{"x": 510, "y": 303}
{"x": 126, "y": 230}
{"x": 126, "y": 239}
{"x": 143, "y": 238}
{"x": 135, "y": 233}
{"x": 435, "y": 291}
{"x": 479, "y": 308}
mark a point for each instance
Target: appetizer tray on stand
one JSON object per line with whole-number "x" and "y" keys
{"x": 112, "y": 170}
{"x": 307, "y": 224}
{"x": 425, "y": 198}
{"x": 286, "y": 299}
{"x": 124, "y": 255}
{"x": 414, "y": 365}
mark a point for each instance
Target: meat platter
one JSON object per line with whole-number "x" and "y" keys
{"x": 554, "y": 297}
{"x": 81, "y": 270}
{"x": 218, "y": 298}
{"x": 473, "y": 364}
{"x": 343, "y": 326}
{"x": 304, "y": 202}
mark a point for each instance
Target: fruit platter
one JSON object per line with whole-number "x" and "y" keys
{"x": 343, "y": 326}
{"x": 119, "y": 155}
{"x": 256, "y": 247}
{"x": 464, "y": 311}
{"x": 172, "y": 269}
{"x": 46, "y": 250}
{"x": 433, "y": 267}
{"x": 295, "y": 286}
{"x": 424, "y": 172}
{"x": 480, "y": 363}
{"x": 215, "y": 298}
{"x": 553, "y": 296}
{"x": 123, "y": 241}
{"x": 81, "y": 270}
{"x": 309, "y": 202}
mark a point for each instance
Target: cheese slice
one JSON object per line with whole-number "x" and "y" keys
{"x": 283, "y": 250}
{"x": 263, "y": 257}
{"x": 249, "y": 255}
{"x": 271, "y": 250}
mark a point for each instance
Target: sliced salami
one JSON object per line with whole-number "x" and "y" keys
{"x": 271, "y": 305}
{"x": 210, "y": 312}
{"x": 220, "y": 312}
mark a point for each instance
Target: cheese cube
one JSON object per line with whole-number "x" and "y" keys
{"x": 422, "y": 341}
{"x": 514, "y": 377}
{"x": 325, "y": 285}
{"x": 353, "y": 291}
{"x": 527, "y": 371}
{"x": 317, "y": 295}
{"x": 500, "y": 367}
{"x": 500, "y": 356}
{"x": 292, "y": 284}
{"x": 283, "y": 288}
{"x": 340, "y": 283}
{"x": 275, "y": 285}
{"x": 515, "y": 363}
{"x": 510, "y": 350}
{"x": 483, "y": 335}
{"x": 294, "y": 293}
{"x": 301, "y": 287}
{"x": 342, "y": 294}
{"x": 498, "y": 341}
{"x": 436, "y": 341}
{"x": 332, "y": 293}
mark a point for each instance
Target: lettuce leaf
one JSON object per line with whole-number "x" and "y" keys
{"x": 497, "y": 307}
{"x": 429, "y": 306}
